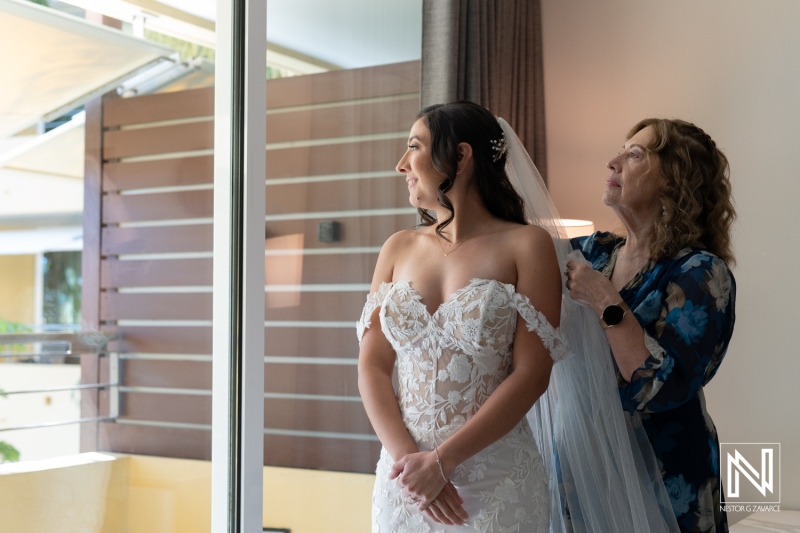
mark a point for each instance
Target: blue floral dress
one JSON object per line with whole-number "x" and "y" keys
{"x": 686, "y": 307}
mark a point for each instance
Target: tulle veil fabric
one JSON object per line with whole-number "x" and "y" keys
{"x": 602, "y": 471}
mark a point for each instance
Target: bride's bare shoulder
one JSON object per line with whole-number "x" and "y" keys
{"x": 397, "y": 246}
{"x": 531, "y": 244}
{"x": 402, "y": 241}
{"x": 527, "y": 236}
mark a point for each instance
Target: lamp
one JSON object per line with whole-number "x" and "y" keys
{"x": 577, "y": 228}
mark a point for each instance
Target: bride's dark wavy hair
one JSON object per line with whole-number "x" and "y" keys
{"x": 467, "y": 122}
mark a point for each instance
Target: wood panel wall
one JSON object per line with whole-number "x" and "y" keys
{"x": 333, "y": 140}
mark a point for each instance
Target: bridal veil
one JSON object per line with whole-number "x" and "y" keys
{"x": 602, "y": 471}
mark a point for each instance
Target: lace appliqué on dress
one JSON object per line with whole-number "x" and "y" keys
{"x": 448, "y": 364}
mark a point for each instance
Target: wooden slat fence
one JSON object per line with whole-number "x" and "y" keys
{"x": 333, "y": 140}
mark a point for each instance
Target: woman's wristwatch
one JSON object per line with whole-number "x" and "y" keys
{"x": 613, "y": 314}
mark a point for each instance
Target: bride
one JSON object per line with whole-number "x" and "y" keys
{"x": 466, "y": 309}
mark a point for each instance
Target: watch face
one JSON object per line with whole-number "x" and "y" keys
{"x": 613, "y": 314}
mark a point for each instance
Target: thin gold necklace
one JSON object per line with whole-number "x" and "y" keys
{"x": 453, "y": 246}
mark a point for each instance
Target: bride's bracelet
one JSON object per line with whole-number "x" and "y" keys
{"x": 439, "y": 462}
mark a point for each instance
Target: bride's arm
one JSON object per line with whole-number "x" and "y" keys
{"x": 376, "y": 360}
{"x": 539, "y": 279}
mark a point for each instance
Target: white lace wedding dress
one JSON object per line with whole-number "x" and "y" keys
{"x": 448, "y": 364}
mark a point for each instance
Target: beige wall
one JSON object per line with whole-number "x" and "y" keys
{"x": 85, "y": 493}
{"x": 106, "y": 493}
{"x": 733, "y": 68}
{"x": 17, "y": 275}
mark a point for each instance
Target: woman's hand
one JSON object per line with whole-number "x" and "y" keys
{"x": 447, "y": 508}
{"x": 419, "y": 476}
{"x": 589, "y": 287}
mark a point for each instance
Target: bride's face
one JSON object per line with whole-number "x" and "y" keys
{"x": 422, "y": 178}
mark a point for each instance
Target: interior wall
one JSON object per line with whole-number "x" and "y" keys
{"x": 733, "y": 68}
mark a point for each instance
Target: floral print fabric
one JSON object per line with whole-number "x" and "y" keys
{"x": 448, "y": 363}
{"x": 685, "y": 305}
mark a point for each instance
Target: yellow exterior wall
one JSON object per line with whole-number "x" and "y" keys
{"x": 174, "y": 496}
{"x": 17, "y": 278}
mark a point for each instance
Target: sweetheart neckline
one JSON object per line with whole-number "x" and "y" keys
{"x": 472, "y": 282}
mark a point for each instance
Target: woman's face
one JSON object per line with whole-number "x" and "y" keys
{"x": 633, "y": 184}
{"x": 422, "y": 178}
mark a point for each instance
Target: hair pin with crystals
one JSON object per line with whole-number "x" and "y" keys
{"x": 499, "y": 147}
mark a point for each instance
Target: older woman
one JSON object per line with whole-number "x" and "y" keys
{"x": 665, "y": 296}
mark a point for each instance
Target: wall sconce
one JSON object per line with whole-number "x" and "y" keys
{"x": 329, "y": 231}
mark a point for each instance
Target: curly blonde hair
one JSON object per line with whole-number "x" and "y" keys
{"x": 695, "y": 194}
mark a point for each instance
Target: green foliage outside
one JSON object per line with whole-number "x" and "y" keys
{"x": 40, "y": 2}
{"x": 7, "y": 326}
{"x": 62, "y": 288}
{"x": 8, "y": 454}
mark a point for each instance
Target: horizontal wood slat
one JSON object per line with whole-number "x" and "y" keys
{"x": 158, "y": 107}
{"x": 160, "y": 206}
{"x": 344, "y": 158}
{"x": 356, "y": 231}
{"x": 291, "y": 414}
{"x": 151, "y": 240}
{"x": 305, "y": 342}
{"x": 327, "y": 159}
{"x": 312, "y": 342}
{"x": 335, "y": 380}
{"x": 334, "y": 268}
{"x": 156, "y": 273}
{"x": 343, "y": 85}
{"x": 180, "y": 171}
{"x": 158, "y": 306}
{"x": 283, "y": 378}
{"x": 316, "y": 415}
{"x": 343, "y": 268}
{"x": 198, "y": 306}
{"x": 339, "y": 306}
{"x": 150, "y": 339}
{"x": 161, "y": 373}
{"x": 344, "y": 195}
{"x": 342, "y": 455}
{"x": 340, "y": 195}
{"x": 342, "y": 121}
{"x": 160, "y": 441}
{"x": 158, "y": 140}
{"x": 186, "y": 409}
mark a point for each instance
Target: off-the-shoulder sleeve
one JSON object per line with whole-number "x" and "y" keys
{"x": 374, "y": 300}
{"x": 687, "y": 329}
{"x": 536, "y": 321}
